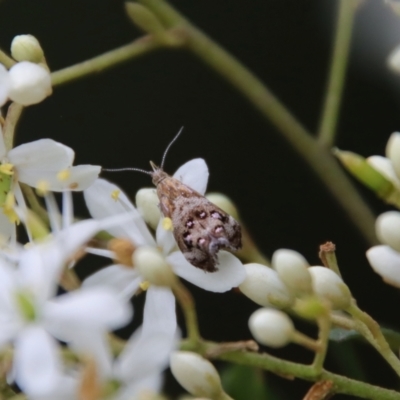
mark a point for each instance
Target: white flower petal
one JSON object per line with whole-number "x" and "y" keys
{"x": 40, "y": 265}
{"x": 231, "y": 272}
{"x": 143, "y": 388}
{"x": 148, "y": 350}
{"x": 78, "y": 178}
{"x": 194, "y": 174}
{"x": 101, "y": 204}
{"x": 165, "y": 238}
{"x": 29, "y": 83}
{"x": 36, "y": 160}
{"x": 6, "y": 227}
{"x": 386, "y": 262}
{"x": 86, "y": 309}
{"x": 4, "y": 87}
{"x": 385, "y": 167}
{"x": 37, "y": 362}
{"x": 123, "y": 280}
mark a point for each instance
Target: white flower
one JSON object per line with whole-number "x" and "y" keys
{"x": 271, "y": 327}
{"x": 385, "y": 259}
{"x": 329, "y": 286}
{"x": 196, "y": 374}
{"x": 105, "y": 199}
{"x": 138, "y": 368}
{"x": 43, "y": 164}
{"x": 264, "y": 287}
{"x": 389, "y": 166}
{"x": 31, "y": 316}
{"x": 29, "y": 83}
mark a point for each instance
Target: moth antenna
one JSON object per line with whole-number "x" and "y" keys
{"x": 168, "y": 147}
{"x": 126, "y": 169}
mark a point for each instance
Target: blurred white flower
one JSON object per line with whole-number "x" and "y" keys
{"x": 104, "y": 199}
{"x": 196, "y": 374}
{"x": 140, "y": 365}
{"x": 43, "y": 164}
{"x": 271, "y": 327}
{"x": 31, "y": 316}
{"x": 30, "y": 83}
{"x": 385, "y": 259}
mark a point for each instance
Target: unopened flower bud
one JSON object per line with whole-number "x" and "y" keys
{"x": 361, "y": 169}
{"x": 197, "y": 375}
{"x": 144, "y": 18}
{"x": 224, "y": 203}
{"x": 147, "y": 203}
{"x": 329, "y": 286}
{"x": 385, "y": 261}
{"x": 393, "y": 151}
{"x": 292, "y": 268}
{"x": 26, "y": 48}
{"x": 152, "y": 266}
{"x": 388, "y": 229}
{"x": 271, "y": 327}
{"x": 263, "y": 286}
{"x": 29, "y": 83}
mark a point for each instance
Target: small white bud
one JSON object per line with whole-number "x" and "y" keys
{"x": 29, "y": 83}
{"x": 197, "y": 375}
{"x": 386, "y": 262}
{"x": 387, "y": 227}
{"x": 152, "y": 266}
{"x": 271, "y": 327}
{"x": 224, "y": 203}
{"x": 292, "y": 268}
{"x": 263, "y": 286}
{"x": 393, "y": 60}
{"x": 26, "y": 48}
{"x": 4, "y": 84}
{"x": 329, "y": 286}
{"x": 393, "y": 151}
{"x": 147, "y": 203}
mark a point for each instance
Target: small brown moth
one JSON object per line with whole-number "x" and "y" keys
{"x": 200, "y": 228}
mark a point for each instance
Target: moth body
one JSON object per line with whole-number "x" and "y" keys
{"x": 200, "y": 228}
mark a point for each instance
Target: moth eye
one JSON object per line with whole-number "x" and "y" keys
{"x": 202, "y": 214}
{"x": 190, "y": 223}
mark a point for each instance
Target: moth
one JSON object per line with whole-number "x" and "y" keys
{"x": 201, "y": 229}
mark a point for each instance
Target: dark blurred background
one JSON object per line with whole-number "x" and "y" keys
{"x": 127, "y": 115}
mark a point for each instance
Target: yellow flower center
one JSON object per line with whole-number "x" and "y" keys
{"x": 167, "y": 224}
{"x": 115, "y": 194}
{"x": 64, "y": 174}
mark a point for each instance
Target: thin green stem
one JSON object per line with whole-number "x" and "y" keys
{"x": 281, "y": 367}
{"x": 14, "y": 113}
{"x": 110, "y": 59}
{"x": 381, "y": 343}
{"x": 6, "y": 60}
{"x": 340, "y": 56}
{"x": 328, "y": 257}
{"x": 324, "y": 325}
{"x": 319, "y": 159}
{"x": 34, "y": 202}
{"x": 186, "y": 302}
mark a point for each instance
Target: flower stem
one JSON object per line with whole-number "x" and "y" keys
{"x": 6, "y": 60}
{"x": 265, "y": 361}
{"x": 320, "y": 159}
{"x": 378, "y": 339}
{"x": 13, "y": 114}
{"x": 337, "y": 73}
{"x": 324, "y": 325}
{"x": 186, "y": 302}
{"x": 114, "y": 57}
